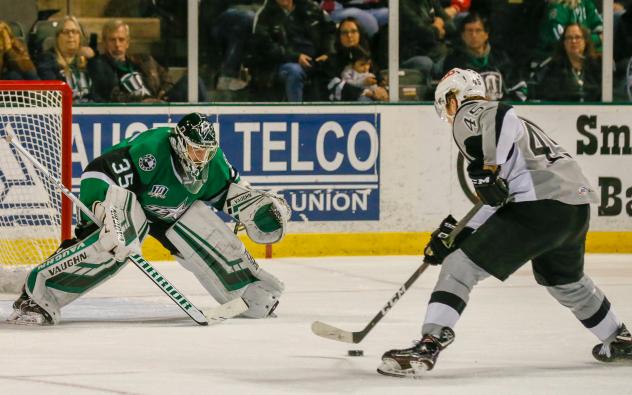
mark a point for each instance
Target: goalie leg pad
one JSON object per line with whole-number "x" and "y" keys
{"x": 69, "y": 273}
{"x": 218, "y": 259}
{"x": 264, "y": 214}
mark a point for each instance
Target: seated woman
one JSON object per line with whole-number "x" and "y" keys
{"x": 15, "y": 62}
{"x": 350, "y": 36}
{"x": 67, "y": 60}
{"x": 574, "y": 70}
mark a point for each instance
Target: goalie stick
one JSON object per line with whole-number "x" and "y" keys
{"x": 331, "y": 332}
{"x": 215, "y": 315}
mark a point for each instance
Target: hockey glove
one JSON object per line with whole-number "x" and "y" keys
{"x": 437, "y": 248}
{"x": 491, "y": 189}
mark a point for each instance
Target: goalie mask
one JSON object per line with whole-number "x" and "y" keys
{"x": 463, "y": 84}
{"x": 195, "y": 143}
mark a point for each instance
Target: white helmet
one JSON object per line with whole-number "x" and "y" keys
{"x": 463, "y": 83}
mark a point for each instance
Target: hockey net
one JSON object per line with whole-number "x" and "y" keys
{"x": 34, "y": 217}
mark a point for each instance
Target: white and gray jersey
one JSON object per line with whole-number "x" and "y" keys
{"x": 535, "y": 166}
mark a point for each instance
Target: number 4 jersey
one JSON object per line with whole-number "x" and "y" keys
{"x": 146, "y": 165}
{"x": 535, "y": 166}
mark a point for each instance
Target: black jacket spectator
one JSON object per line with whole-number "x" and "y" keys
{"x": 108, "y": 79}
{"x": 574, "y": 72}
{"x": 418, "y": 35}
{"x": 495, "y": 67}
{"x": 561, "y": 83}
{"x": 502, "y": 80}
{"x": 280, "y": 37}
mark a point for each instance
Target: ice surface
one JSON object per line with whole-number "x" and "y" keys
{"x": 125, "y": 337}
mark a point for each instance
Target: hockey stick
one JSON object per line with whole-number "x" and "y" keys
{"x": 220, "y": 313}
{"x": 331, "y": 332}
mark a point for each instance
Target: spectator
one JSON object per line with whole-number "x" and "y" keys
{"x": 350, "y": 36}
{"x": 121, "y": 77}
{"x": 493, "y": 65}
{"x": 561, "y": 13}
{"x": 424, "y": 32}
{"x": 67, "y": 60}
{"x": 15, "y": 62}
{"x": 513, "y": 22}
{"x": 357, "y": 73}
{"x": 231, "y": 30}
{"x": 292, "y": 41}
{"x": 372, "y": 15}
{"x": 574, "y": 71}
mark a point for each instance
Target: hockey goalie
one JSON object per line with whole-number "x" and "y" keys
{"x": 166, "y": 182}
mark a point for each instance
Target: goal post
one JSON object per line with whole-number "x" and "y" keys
{"x": 34, "y": 214}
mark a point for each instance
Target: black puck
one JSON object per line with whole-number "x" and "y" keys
{"x": 355, "y": 353}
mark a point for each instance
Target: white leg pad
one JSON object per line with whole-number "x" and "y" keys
{"x": 69, "y": 273}
{"x": 219, "y": 260}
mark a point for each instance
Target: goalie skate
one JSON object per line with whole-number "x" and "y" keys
{"x": 619, "y": 349}
{"x": 414, "y": 361}
{"x": 27, "y": 312}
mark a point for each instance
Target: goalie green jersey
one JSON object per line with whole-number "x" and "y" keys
{"x": 147, "y": 165}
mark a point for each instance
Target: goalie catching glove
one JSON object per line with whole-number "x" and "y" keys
{"x": 491, "y": 189}
{"x": 437, "y": 248}
{"x": 263, "y": 214}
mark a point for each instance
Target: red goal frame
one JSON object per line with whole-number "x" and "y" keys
{"x": 66, "y": 138}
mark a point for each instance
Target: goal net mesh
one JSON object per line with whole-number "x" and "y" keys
{"x": 30, "y": 204}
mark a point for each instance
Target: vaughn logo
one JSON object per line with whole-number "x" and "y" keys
{"x": 147, "y": 162}
{"x": 158, "y": 191}
{"x": 67, "y": 264}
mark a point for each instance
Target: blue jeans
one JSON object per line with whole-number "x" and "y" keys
{"x": 233, "y": 29}
{"x": 293, "y": 76}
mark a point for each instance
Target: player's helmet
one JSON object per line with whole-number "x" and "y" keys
{"x": 463, "y": 84}
{"x": 195, "y": 142}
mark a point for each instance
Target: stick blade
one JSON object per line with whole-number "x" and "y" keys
{"x": 331, "y": 332}
{"x": 225, "y": 311}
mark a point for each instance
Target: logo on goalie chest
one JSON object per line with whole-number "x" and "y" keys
{"x": 147, "y": 162}
{"x": 158, "y": 191}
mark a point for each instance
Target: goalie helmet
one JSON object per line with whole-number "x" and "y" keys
{"x": 463, "y": 84}
{"x": 195, "y": 143}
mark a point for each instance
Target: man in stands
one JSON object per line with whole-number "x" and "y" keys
{"x": 494, "y": 65}
{"x": 121, "y": 77}
{"x": 292, "y": 40}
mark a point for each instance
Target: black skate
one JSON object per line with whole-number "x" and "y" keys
{"x": 619, "y": 349}
{"x": 27, "y": 312}
{"x": 411, "y": 362}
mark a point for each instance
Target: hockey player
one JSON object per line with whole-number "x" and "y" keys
{"x": 166, "y": 182}
{"x": 536, "y": 207}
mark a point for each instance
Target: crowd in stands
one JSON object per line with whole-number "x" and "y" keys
{"x": 111, "y": 76}
{"x": 337, "y": 50}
